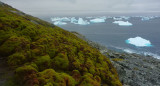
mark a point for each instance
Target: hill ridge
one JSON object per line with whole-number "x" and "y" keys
{"x": 41, "y": 54}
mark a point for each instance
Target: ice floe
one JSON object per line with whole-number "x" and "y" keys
{"x": 65, "y": 19}
{"x": 123, "y": 23}
{"x": 121, "y": 18}
{"x": 74, "y": 20}
{"x": 82, "y": 22}
{"x": 145, "y": 18}
{"x": 117, "y": 18}
{"x": 125, "y": 17}
{"x": 60, "y": 23}
{"x": 139, "y": 42}
{"x": 55, "y": 19}
{"x": 98, "y": 20}
{"x": 60, "y": 19}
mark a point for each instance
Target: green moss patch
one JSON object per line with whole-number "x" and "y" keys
{"x": 45, "y": 55}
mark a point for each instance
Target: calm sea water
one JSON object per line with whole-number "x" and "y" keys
{"x": 113, "y": 36}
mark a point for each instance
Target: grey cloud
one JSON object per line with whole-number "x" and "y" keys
{"x": 72, "y": 1}
{"x": 77, "y": 6}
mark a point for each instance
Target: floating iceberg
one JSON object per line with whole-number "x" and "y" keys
{"x": 122, "y": 23}
{"x": 55, "y": 19}
{"x": 125, "y": 17}
{"x": 97, "y": 20}
{"x": 117, "y": 18}
{"x": 65, "y": 19}
{"x": 121, "y": 18}
{"x": 139, "y": 42}
{"x": 117, "y": 22}
{"x": 82, "y": 22}
{"x": 60, "y": 19}
{"x": 125, "y": 24}
{"x": 59, "y": 23}
{"x": 145, "y": 18}
{"x": 74, "y": 20}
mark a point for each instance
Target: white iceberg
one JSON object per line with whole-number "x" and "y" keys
{"x": 65, "y": 19}
{"x": 125, "y": 17}
{"x": 97, "y": 20}
{"x": 82, "y": 22}
{"x": 117, "y": 22}
{"x": 74, "y": 20}
{"x": 55, "y": 19}
{"x": 117, "y": 18}
{"x": 122, "y": 23}
{"x": 60, "y": 23}
{"x": 125, "y": 24}
{"x": 145, "y": 18}
{"x": 139, "y": 42}
{"x": 121, "y": 18}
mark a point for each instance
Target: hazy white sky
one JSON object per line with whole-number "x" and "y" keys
{"x": 78, "y": 6}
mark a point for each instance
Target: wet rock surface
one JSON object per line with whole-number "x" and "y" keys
{"x": 136, "y": 70}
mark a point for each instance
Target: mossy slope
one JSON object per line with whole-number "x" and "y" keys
{"x": 45, "y": 55}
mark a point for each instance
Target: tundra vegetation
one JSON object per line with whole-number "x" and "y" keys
{"x": 42, "y": 54}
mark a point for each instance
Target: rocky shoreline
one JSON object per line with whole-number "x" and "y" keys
{"x": 136, "y": 70}
{"x": 133, "y": 69}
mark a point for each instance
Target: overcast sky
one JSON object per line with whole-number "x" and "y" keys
{"x": 84, "y": 6}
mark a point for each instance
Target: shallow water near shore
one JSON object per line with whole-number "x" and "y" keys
{"x": 114, "y": 36}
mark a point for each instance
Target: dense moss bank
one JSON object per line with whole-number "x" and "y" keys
{"x": 42, "y": 54}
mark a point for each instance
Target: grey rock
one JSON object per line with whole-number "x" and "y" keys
{"x": 17, "y": 12}
{"x": 137, "y": 70}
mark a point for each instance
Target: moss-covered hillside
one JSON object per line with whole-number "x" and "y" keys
{"x": 42, "y": 54}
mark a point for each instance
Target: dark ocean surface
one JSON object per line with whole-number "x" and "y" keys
{"x": 114, "y": 36}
